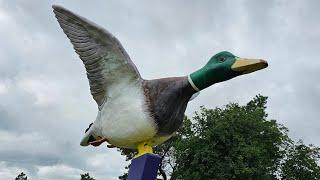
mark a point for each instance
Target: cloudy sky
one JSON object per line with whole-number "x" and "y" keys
{"x": 45, "y": 103}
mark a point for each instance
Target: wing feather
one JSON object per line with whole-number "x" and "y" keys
{"x": 105, "y": 59}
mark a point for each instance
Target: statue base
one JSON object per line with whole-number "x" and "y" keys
{"x": 144, "y": 167}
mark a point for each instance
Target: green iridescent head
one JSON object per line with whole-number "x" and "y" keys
{"x": 221, "y": 67}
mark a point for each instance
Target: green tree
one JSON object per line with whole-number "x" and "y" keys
{"x": 301, "y": 162}
{"x": 86, "y": 176}
{"x": 21, "y": 176}
{"x": 234, "y": 142}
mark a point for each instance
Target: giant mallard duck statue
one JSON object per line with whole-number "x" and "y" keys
{"x": 133, "y": 112}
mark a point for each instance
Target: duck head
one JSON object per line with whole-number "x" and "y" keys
{"x": 223, "y": 66}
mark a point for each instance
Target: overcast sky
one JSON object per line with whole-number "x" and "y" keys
{"x": 45, "y": 104}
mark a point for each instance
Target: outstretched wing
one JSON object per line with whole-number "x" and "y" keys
{"x": 105, "y": 59}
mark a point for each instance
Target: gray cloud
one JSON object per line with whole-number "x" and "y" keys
{"x": 44, "y": 94}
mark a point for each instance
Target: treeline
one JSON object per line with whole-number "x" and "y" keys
{"x": 23, "y": 176}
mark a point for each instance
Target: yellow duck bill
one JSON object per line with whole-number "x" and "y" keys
{"x": 248, "y": 65}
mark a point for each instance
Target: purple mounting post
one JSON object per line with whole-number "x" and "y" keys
{"x": 144, "y": 167}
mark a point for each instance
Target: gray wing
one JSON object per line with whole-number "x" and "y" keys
{"x": 105, "y": 59}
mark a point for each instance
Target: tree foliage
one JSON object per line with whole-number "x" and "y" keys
{"x": 234, "y": 142}
{"x": 86, "y": 176}
{"x": 301, "y": 162}
{"x": 21, "y": 176}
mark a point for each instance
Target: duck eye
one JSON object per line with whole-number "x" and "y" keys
{"x": 222, "y": 59}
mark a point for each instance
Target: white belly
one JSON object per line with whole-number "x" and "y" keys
{"x": 123, "y": 119}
